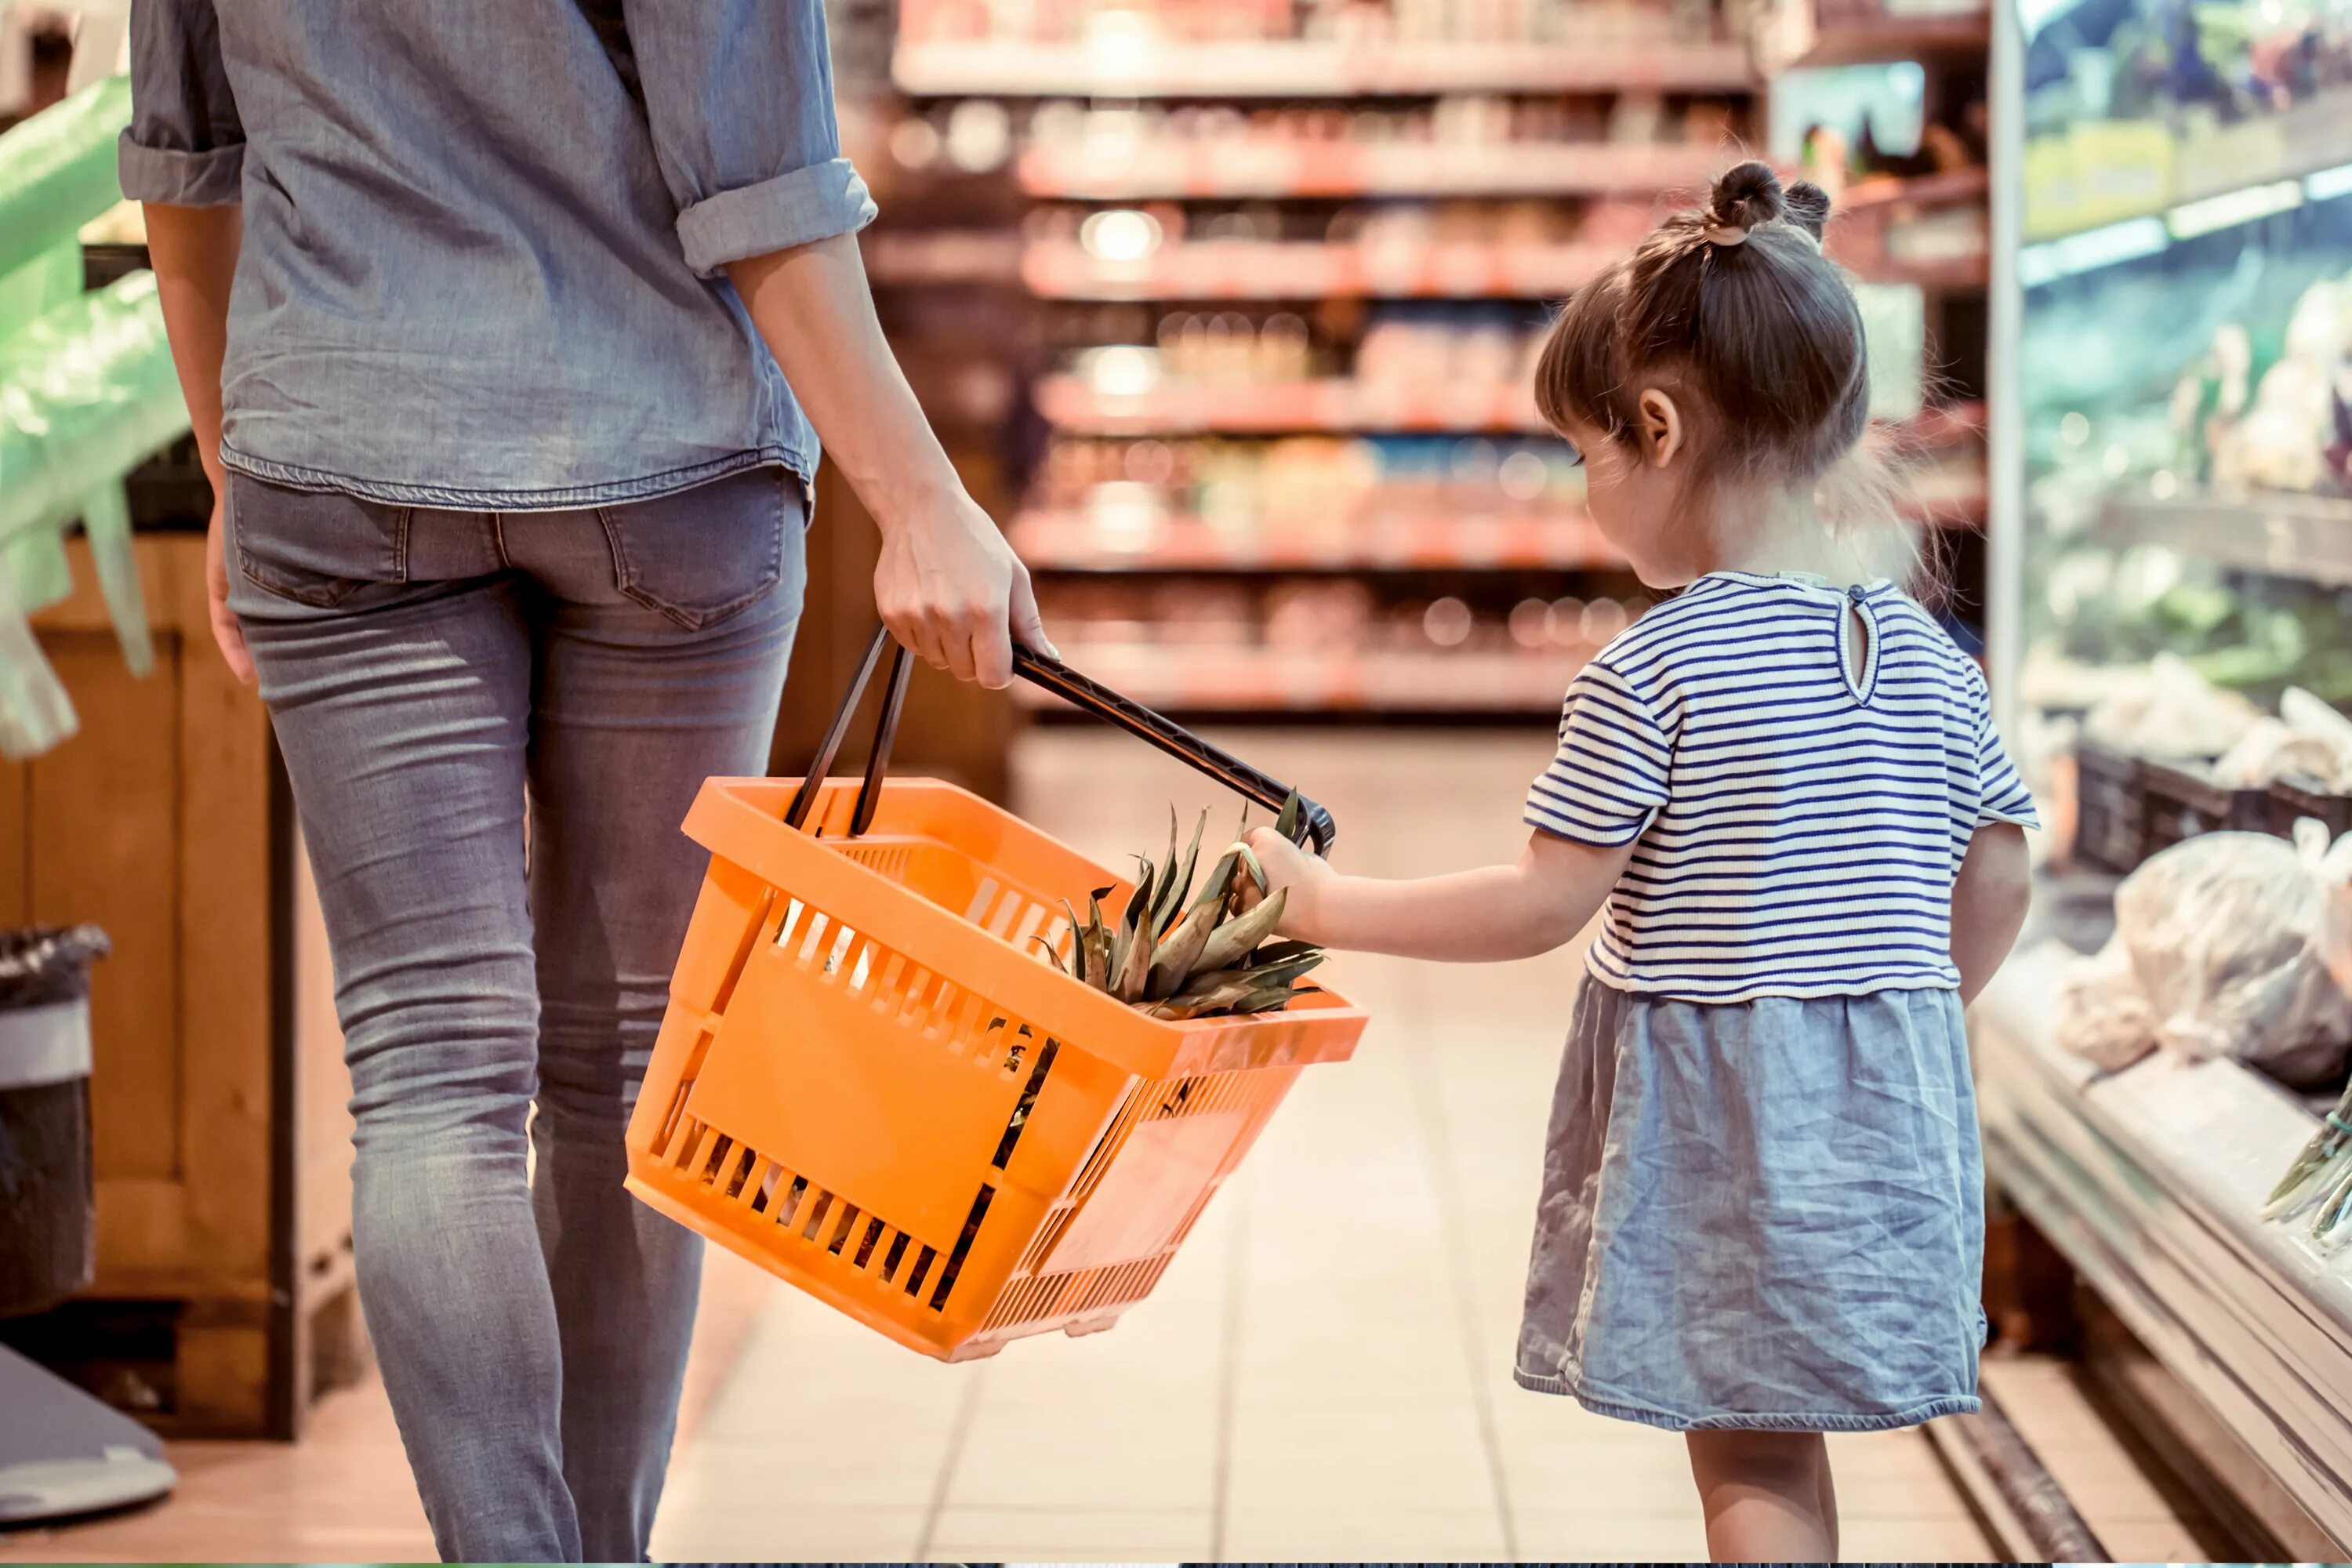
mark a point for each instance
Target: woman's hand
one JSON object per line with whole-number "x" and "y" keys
{"x": 226, "y": 632}
{"x": 1305, "y": 875}
{"x": 950, "y": 589}
{"x": 947, "y": 585}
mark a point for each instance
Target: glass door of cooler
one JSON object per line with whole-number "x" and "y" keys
{"x": 2174, "y": 464}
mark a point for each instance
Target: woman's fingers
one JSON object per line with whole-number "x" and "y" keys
{"x": 951, "y": 590}
{"x": 227, "y": 634}
{"x": 1028, "y": 626}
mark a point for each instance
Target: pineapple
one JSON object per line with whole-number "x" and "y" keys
{"x": 1176, "y": 952}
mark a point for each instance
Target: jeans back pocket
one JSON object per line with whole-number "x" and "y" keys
{"x": 703, "y": 554}
{"x": 314, "y": 547}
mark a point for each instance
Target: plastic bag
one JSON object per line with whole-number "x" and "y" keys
{"x": 2308, "y": 739}
{"x": 42, "y": 965}
{"x": 2172, "y": 712}
{"x": 2103, "y": 1014}
{"x": 2236, "y": 941}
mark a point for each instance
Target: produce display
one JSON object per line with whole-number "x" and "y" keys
{"x": 2227, "y": 946}
{"x": 1177, "y": 952}
{"x": 2320, "y": 1180}
{"x": 2273, "y": 413}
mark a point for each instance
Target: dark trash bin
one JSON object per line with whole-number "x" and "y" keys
{"x": 48, "y": 1241}
{"x": 61, "y": 1452}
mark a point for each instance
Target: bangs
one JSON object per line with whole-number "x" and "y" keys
{"x": 1580, "y": 373}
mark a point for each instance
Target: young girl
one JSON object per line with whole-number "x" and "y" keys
{"x": 1762, "y": 1211}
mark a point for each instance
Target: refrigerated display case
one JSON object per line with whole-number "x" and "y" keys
{"x": 2171, "y": 546}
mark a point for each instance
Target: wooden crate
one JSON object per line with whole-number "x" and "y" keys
{"x": 222, "y": 1144}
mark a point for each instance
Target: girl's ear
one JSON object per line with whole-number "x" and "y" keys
{"x": 1658, "y": 428}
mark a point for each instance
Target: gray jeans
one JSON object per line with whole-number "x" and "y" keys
{"x": 432, "y": 676}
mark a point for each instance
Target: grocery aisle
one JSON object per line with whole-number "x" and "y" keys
{"x": 1324, "y": 1373}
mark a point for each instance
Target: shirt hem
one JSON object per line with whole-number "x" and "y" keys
{"x": 1624, "y": 1409}
{"x": 564, "y": 498}
{"x": 1788, "y": 990}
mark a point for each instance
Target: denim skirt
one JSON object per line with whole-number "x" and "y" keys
{"x": 1761, "y": 1215}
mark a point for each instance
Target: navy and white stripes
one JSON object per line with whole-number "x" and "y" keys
{"x": 1796, "y": 825}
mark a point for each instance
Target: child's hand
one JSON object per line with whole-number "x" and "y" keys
{"x": 1288, "y": 866}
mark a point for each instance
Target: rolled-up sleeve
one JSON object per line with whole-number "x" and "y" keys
{"x": 739, "y": 95}
{"x": 184, "y": 145}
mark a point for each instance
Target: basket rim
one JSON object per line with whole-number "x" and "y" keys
{"x": 729, "y": 819}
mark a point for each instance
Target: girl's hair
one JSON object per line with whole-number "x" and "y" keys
{"x": 1737, "y": 305}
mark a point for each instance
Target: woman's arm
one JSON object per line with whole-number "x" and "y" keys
{"x": 1988, "y": 900}
{"x": 193, "y": 251}
{"x": 1493, "y": 913}
{"x": 947, "y": 585}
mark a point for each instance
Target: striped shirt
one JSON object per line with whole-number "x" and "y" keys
{"x": 1796, "y": 828}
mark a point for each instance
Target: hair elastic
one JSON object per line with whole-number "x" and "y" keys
{"x": 1724, "y": 234}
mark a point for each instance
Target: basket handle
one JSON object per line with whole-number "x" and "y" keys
{"x": 1079, "y": 690}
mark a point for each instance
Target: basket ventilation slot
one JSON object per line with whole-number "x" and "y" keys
{"x": 808, "y": 1218}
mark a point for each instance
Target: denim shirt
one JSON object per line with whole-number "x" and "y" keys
{"x": 483, "y": 252}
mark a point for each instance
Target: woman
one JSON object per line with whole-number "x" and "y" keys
{"x": 503, "y": 331}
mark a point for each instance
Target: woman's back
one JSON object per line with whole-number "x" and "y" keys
{"x": 481, "y": 242}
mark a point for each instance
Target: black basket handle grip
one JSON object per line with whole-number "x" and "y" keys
{"x": 1079, "y": 690}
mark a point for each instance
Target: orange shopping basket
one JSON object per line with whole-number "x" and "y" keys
{"x": 871, "y": 1083}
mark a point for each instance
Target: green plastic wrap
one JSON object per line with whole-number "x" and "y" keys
{"x": 56, "y": 169}
{"x": 38, "y": 285}
{"x": 85, "y": 393}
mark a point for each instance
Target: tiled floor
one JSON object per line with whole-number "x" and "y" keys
{"x": 2138, "y": 1518}
{"x": 1323, "y": 1373}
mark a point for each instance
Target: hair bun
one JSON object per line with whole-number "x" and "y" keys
{"x": 1807, "y": 205}
{"x": 1747, "y": 196}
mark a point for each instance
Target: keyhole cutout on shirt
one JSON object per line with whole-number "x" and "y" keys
{"x": 1858, "y": 650}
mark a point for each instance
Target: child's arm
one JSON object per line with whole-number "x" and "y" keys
{"x": 1989, "y": 900}
{"x": 1466, "y": 917}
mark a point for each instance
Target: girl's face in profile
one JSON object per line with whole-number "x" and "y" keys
{"x": 1633, "y": 491}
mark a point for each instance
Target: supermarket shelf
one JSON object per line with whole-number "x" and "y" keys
{"x": 1956, "y": 276}
{"x": 1949, "y": 495}
{"x": 1226, "y": 678}
{"x": 1954, "y": 188}
{"x": 2070, "y": 190}
{"x": 1266, "y": 408}
{"x": 1947, "y": 425}
{"x": 1305, "y": 269}
{"x": 1148, "y": 66}
{"x": 1073, "y": 541}
{"x": 2151, "y": 1182}
{"x": 1111, "y": 169}
{"x": 2305, "y": 537}
{"x": 1902, "y": 40}
{"x": 944, "y": 257}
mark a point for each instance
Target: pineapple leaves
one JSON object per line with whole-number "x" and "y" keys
{"x": 1178, "y": 950}
{"x": 1237, "y": 936}
{"x": 1287, "y": 823}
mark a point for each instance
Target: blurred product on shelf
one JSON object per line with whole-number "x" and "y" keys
{"x": 2132, "y": 109}
{"x": 1471, "y": 145}
{"x": 1308, "y": 503}
{"x": 1341, "y": 645}
{"x": 1341, "y": 21}
{"x": 2278, "y": 416}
